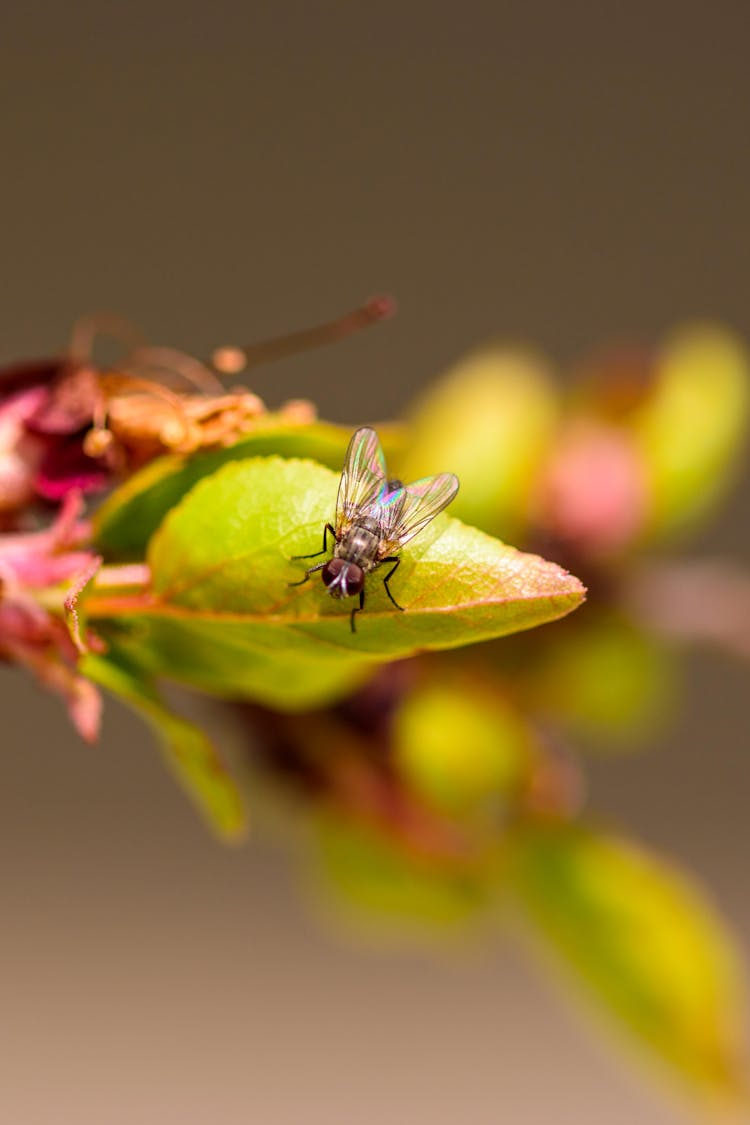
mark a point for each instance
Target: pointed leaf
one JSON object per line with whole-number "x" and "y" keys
{"x": 224, "y": 617}
{"x": 645, "y": 941}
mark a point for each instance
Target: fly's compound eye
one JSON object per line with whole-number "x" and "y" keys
{"x": 343, "y": 578}
{"x": 332, "y": 570}
{"x": 354, "y": 579}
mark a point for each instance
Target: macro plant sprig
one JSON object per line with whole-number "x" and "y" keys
{"x": 434, "y": 758}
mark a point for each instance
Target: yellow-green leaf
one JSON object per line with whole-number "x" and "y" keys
{"x": 692, "y": 428}
{"x": 646, "y": 941}
{"x": 383, "y": 889}
{"x": 223, "y": 616}
{"x": 490, "y": 421}
{"x": 459, "y": 746}
{"x": 604, "y": 677}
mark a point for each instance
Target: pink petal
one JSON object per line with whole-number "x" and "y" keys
{"x": 46, "y": 662}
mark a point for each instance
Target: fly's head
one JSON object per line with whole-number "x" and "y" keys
{"x": 343, "y": 579}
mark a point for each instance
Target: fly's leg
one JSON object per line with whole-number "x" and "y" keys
{"x": 308, "y": 572}
{"x": 357, "y": 609}
{"x": 311, "y": 570}
{"x": 328, "y": 527}
{"x": 395, "y": 559}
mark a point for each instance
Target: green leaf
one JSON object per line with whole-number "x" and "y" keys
{"x": 693, "y": 427}
{"x": 460, "y": 746}
{"x": 605, "y": 678}
{"x": 223, "y": 617}
{"x": 126, "y": 521}
{"x": 490, "y": 420}
{"x": 384, "y": 889}
{"x": 241, "y": 656}
{"x": 187, "y": 751}
{"x": 646, "y": 942}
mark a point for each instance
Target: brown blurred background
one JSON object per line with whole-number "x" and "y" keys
{"x": 564, "y": 173}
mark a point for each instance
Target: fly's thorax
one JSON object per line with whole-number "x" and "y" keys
{"x": 360, "y": 543}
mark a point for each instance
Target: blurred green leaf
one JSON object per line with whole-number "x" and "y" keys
{"x": 129, "y": 517}
{"x": 605, "y": 677}
{"x": 383, "y": 887}
{"x": 459, "y": 746}
{"x": 645, "y": 941}
{"x": 489, "y": 420}
{"x": 239, "y": 656}
{"x": 223, "y": 617}
{"x": 692, "y": 428}
{"x": 187, "y": 751}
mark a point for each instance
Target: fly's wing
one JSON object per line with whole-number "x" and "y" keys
{"x": 408, "y": 511}
{"x": 363, "y": 480}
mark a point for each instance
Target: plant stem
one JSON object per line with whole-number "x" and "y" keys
{"x": 128, "y": 574}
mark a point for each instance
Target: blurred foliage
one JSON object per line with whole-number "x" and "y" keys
{"x": 605, "y": 679}
{"x": 491, "y": 419}
{"x": 460, "y": 749}
{"x": 645, "y": 941}
{"x": 441, "y": 779}
{"x": 691, "y": 428}
{"x": 385, "y": 889}
{"x": 656, "y": 442}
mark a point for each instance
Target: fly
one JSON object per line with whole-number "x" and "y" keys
{"x": 375, "y": 518}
